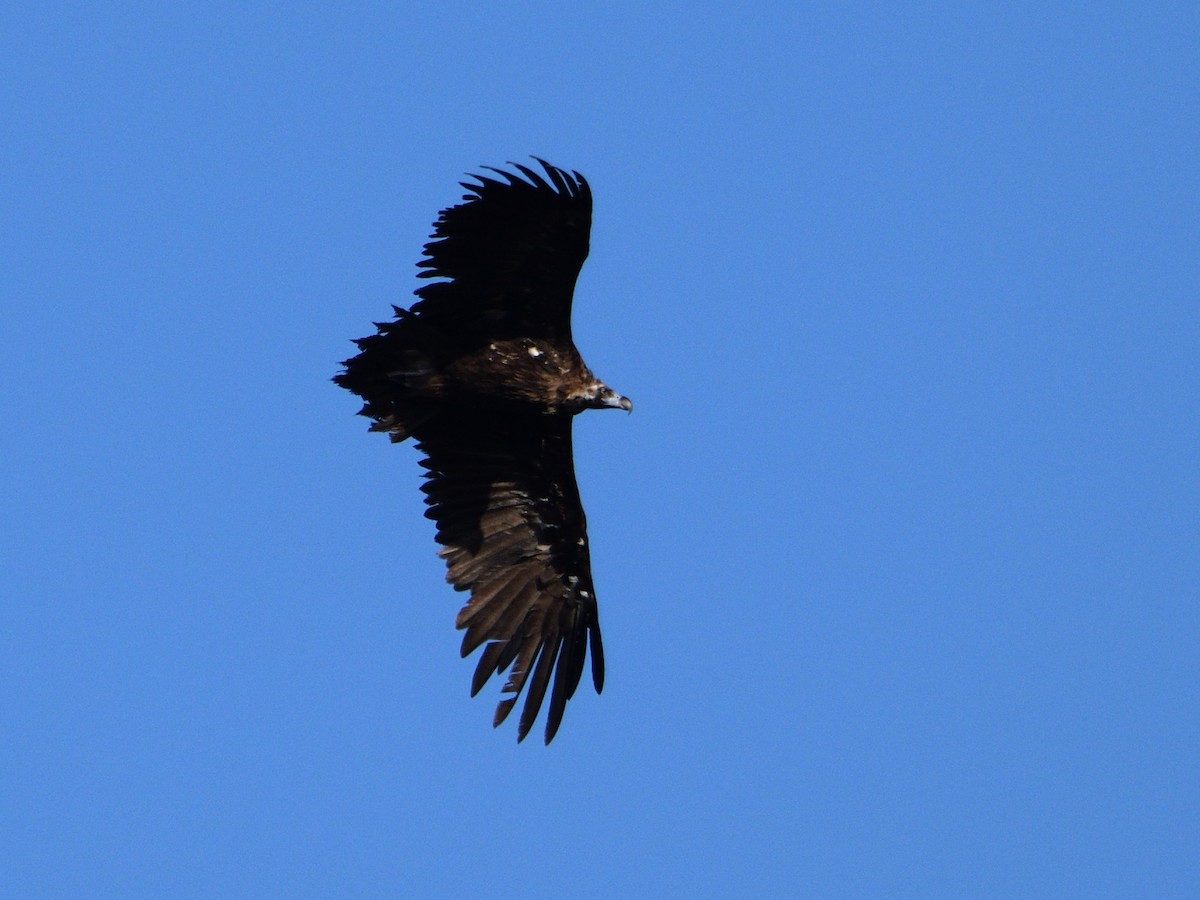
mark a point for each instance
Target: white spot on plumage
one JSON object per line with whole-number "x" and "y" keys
{"x": 534, "y": 351}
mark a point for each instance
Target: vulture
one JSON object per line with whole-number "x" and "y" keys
{"x": 482, "y": 373}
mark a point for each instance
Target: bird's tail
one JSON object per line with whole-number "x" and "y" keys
{"x": 394, "y": 375}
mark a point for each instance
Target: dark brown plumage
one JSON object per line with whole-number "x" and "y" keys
{"x": 482, "y": 372}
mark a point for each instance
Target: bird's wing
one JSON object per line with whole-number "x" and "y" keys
{"x": 501, "y": 488}
{"x": 508, "y": 256}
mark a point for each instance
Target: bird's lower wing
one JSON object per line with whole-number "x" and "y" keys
{"x": 501, "y": 488}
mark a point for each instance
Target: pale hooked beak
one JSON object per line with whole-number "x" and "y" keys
{"x": 617, "y": 402}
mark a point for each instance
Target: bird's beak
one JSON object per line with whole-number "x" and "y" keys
{"x": 626, "y": 404}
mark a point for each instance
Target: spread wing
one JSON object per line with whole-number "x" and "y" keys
{"x": 501, "y": 488}
{"x": 509, "y": 256}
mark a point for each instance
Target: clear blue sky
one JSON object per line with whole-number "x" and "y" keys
{"x": 897, "y": 557}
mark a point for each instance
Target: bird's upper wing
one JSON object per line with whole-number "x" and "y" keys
{"x": 501, "y": 488}
{"x": 508, "y": 256}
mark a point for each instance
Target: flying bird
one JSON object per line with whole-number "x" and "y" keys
{"x": 483, "y": 374}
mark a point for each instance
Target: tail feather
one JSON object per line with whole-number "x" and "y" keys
{"x": 395, "y": 374}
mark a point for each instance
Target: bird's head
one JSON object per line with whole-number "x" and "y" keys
{"x": 599, "y": 395}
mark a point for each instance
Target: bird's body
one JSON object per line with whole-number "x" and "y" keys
{"x": 483, "y": 373}
{"x": 542, "y": 377}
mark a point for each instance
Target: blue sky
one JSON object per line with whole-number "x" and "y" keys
{"x": 897, "y": 557}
